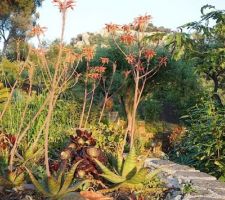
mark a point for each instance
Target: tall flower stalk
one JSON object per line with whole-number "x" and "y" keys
{"x": 55, "y": 84}
{"x": 139, "y": 55}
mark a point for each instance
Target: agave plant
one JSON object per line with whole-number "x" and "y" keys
{"x": 58, "y": 186}
{"x": 127, "y": 173}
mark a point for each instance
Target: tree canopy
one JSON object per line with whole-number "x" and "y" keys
{"x": 16, "y": 17}
{"x": 204, "y": 44}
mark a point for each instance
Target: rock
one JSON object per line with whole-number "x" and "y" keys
{"x": 204, "y": 198}
{"x": 175, "y": 176}
{"x": 208, "y": 184}
{"x": 178, "y": 197}
{"x": 194, "y": 175}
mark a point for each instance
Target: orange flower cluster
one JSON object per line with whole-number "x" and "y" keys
{"x": 88, "y": 53}
{"x": 104, "y": 60}
{"x": 37, "y": 30}
{"x": 64, "y": 5}
{"x": 149, "y": 54}
{"x": 126, "y": 28}
{"x": 100, "y": 69}
{"x": 94, "y": 76}
{"x": 112, "y": 28}
{"x": 96, "y": 72}
{"x": 127, "y": 38}
{"x": 131, "y": 59}
{"x": 141, "y": 22}
{"x": 163, "y": 60}
{"x": 72, "y": 57}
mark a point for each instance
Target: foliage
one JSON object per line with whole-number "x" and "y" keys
{"x": 187, "y": 188}
{"x": 203, "y": 145}
{"x": 168, "y": 98}
{"x": 204, "y": 46}
{"x": 109, "y": 135}
{"x": 57, "y": 186}
{"x": 16, "y": 17}
{"x": 4, "y": 93}
{"x": 8, "y": 179}
{"x": 127, "y": 173}
{"x": 9, "y": 71}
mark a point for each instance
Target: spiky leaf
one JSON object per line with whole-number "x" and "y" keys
{"x": 130, "y": 163}
{"x": 53, "y": 185}
{"x": 139, "y": 177}
{"x": 76, "y": 186}
{"x": 108, "y": 174}
{"x": 69, "y": 177}
{"x": 37, "y": 184}
{"x": 119, "y": 163}
{"x": 59, "y": 179}
{"x": 19, "y": 179}
{"x": 12, "y": 176}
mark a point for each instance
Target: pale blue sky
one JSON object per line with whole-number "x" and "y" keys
{"x": 91, "y": 15}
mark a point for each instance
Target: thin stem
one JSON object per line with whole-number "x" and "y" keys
{"x": 89, "y": 110}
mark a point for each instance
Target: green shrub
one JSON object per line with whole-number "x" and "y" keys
{"x": 203, "y": 146}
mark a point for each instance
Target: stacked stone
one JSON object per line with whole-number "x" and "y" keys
{"x": 176, "y": 176}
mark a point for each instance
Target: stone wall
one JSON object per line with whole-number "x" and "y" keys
{"x": 198, "y": 185}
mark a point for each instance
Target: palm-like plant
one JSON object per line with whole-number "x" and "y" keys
{"x": 56, "y": 187}
{"x": 127, "y": 173}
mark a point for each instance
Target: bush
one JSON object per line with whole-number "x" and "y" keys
{"x": 203, "y": 146}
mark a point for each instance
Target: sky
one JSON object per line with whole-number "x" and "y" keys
{"x": 92, "y": 15}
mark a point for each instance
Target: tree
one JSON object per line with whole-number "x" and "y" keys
{"x": 205, "y": 46}
{"x": 16, "y": 17}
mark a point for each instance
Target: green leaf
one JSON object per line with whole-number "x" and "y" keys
{"x": 12, "y": 176}
{"x": 53, "y": 185}
{"x": 59, "y": 179}
{"x": 76, "y": 186}
{"x": 19, "y": 179}
{"x": 108, "y": 174}
{"x": 119, "y": 163}
{"x": 69, "y": 177}
{"x": 37, "y": 184}
{"x": 153, "y": 174}
{"x": 139, "y": 177}
{"x": 130, "y": 163}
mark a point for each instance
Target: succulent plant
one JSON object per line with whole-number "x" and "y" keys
{"x": 12, "y": 179}
{"x": 82, "y": 147}
{"x": 58, "y": 186}
{"x": 127, "y": 174}
{"x": 82, "y": 138}
{"x": 8, "y": 178}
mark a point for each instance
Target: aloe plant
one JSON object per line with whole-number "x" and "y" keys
{"x": 12, "y": 179}
{"x": 56, "y": 187}
{"x": 127, "y": 173}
